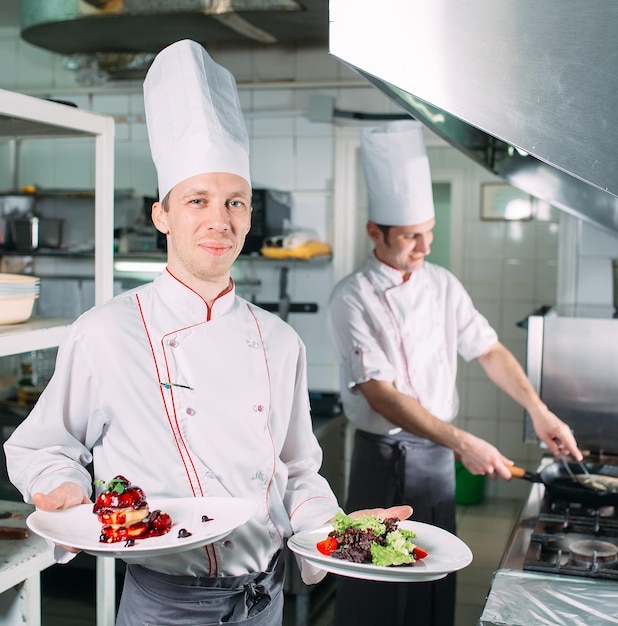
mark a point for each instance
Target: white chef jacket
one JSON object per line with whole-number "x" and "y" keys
{"x": 240, "y": 425}
{"x": 406, "y": 332}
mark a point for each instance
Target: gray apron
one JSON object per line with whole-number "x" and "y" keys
{"x": 391, "y": 470}
{"x": 151, "y": 598}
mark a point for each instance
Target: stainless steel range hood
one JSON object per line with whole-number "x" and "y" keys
{"x": 528, "y": 89}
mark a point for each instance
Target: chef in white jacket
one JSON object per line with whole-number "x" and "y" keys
{"x": 181, "y": 386}
{"x": 398, "y": 324}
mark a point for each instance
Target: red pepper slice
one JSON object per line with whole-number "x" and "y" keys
{"x": 419, "y": 553}
{"x": 327, "y": 546}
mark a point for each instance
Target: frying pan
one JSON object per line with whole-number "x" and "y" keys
{"x": 560, "y": 485}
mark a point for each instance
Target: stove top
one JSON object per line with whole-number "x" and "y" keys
{"x": 574, "y": 539}
{"x": 556, "y": 549}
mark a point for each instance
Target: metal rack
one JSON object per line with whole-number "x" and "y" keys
{"x": 23, "y": 118}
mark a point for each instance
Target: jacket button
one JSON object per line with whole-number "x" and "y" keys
{"x": 258, "y": 408}
{"x": 190, "y": 411}
{"x": 172, "y": 343}
{"x": 227, "y": 544}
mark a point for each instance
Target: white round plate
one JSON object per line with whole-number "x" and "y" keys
{"x": 446, "y": 553}
{"x": 79, "y": 528}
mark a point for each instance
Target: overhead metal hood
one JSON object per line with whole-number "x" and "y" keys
{"x": 107, "y": 40}
{"x": 527, "y": 89}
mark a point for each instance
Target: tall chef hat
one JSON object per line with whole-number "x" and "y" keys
{"x": 195, "y": 124}
{"x": 397, "y": 174}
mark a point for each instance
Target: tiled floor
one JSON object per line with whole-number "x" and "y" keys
{"x": 69, "y": 591}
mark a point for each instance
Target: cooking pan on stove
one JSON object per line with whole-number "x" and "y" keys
{"x": 560, "y": 485}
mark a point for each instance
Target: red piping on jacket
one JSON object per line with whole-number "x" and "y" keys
{"x": 173, "y": 423}
{"x": 387, "y": 308}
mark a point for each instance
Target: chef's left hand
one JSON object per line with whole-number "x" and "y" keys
{"x": 554, "y": 432}
{"x": 400, "y": 512}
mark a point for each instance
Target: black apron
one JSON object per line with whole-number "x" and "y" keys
{"x": 387, "y": 471}
{"x": 151, "y": 598}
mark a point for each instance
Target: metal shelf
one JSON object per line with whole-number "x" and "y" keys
{"x": 36, "y": 334}
{"x": 25, "y": 117}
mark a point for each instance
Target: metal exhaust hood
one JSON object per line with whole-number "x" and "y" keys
{"x": 116, "y": 40}
{"x": 527, "y": 89}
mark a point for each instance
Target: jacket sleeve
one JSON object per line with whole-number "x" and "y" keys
{"x": 356, "y": 338}
{"x": 52, "y": 445}
{"x": 309, "y": 499}
{"x": 474, "y": 333}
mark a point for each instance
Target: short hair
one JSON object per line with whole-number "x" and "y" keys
{"x": 385, "y": 231}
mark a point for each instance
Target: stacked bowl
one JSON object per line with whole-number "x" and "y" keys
{"x": 17, "y": 295}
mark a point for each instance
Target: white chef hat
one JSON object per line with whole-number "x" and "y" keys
{"x": 397, "y": 174}
{"x": 195, "y": 124}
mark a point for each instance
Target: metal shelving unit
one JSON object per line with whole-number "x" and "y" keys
{"x": 23, "y": 118}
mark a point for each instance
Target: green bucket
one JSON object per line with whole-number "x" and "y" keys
{"x": 469, "y": 488}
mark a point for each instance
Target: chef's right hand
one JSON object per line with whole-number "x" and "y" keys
{"x": 481, "y": 457}
{"x": 62, "y": 497}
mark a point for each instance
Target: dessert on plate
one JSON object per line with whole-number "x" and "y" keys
{"x": 122, "y": 509}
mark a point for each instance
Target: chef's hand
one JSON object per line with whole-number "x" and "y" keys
{"x": 552, "y": 431}
{"x": 62, "y": 497}
{"x": 481, "y": 457}
{"x": 400, "y": 512}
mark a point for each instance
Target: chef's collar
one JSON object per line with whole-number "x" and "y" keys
{"x": 390, "y": 276}
{"x": 189, "y": 303}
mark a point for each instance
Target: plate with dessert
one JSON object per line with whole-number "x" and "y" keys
{"x": 123, "y": 523}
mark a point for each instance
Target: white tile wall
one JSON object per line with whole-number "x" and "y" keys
{"x": 509, "y": 269}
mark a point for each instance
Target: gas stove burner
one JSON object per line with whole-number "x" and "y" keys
{"x": 593, "y": 551}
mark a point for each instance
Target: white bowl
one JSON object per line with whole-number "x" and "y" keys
{"x": 8, "y": 292}
{"x": 18, "y": 278}
{"x": 16, "y": 310}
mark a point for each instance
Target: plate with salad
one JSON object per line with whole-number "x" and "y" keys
{"x": 386, "y": 550}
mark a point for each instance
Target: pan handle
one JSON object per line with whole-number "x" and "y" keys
{"x": 520, "y": 472}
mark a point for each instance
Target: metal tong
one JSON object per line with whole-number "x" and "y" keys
{"x": 567, "y": 467}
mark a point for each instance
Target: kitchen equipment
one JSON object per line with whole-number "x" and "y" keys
{"x": 13, "y": 206}
{"x": 572, "y": 364}
{"x": 285, "y": 306}
{"x": 567, "y": 467}
{"x": 16, "y": 310}
{"x": 568, "y": 528}
{"x": 17, "y": 296}
{"x": 559, "y": 145}
{"x": 31, "y": 233}
{"x": 556, "y": 535}
{"x": 271, "y": 210}
{"x": 559, "y": 483}
{"x": 17, "y": 205}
